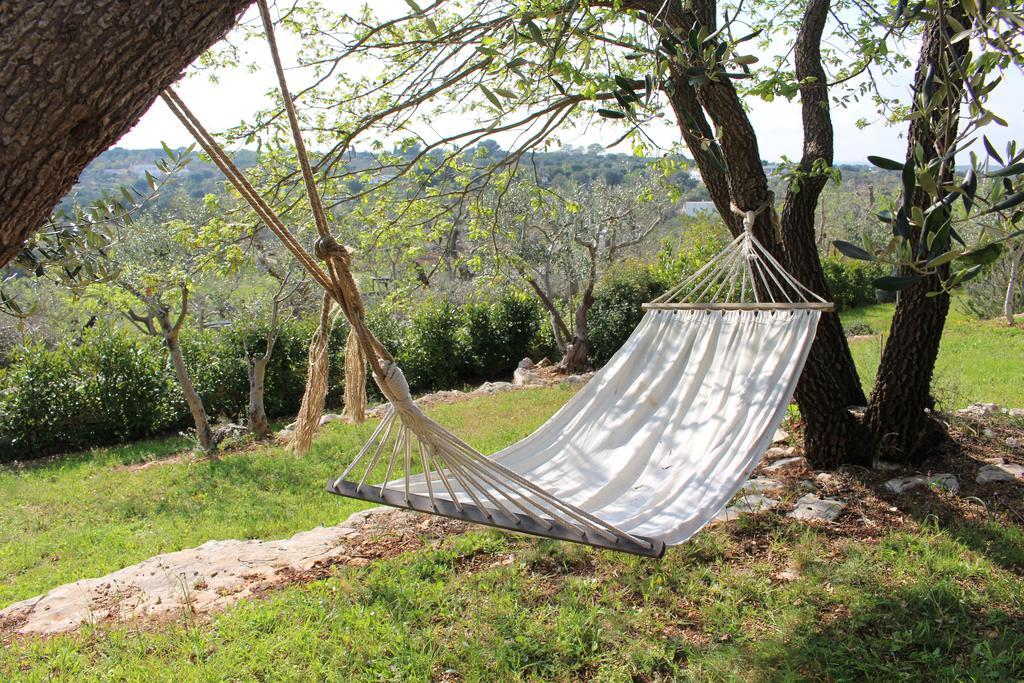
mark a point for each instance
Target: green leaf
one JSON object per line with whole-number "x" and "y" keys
{"x": 887, "y": 164}
{"x": 1008, "y": 203}
{"x": 895, "y": 283}
{"x": 961, "y": 276}
{"x": 852, "y": 250}
{"x": 991, "y": 150}
{"x": 535, "y": 32}
{"x": 942, "y": 259}
{"x": 969, "y": 188}
{"x": 624, "y": 83}
{"x": 1013, "y": 169}
{"x": 982, "y": 256}
{"x": 490, "y": 95}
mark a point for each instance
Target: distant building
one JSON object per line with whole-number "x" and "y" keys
{"x": 696, "y": 208}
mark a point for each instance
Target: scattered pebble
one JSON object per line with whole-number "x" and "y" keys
{"x": 776, "y": 452}
{"x": 810, "y": 508}
{"x": 825, "y": 478}
{"x": 753, "y": 502}
{"x": 761, "y": 485}
{"x": 1013, "y": 442}
{"x": 788, "y": 464}
{"x": 978, "y": 410}
{"x": 781, "y": 436}
{"x": 1002, "y": 472}
{"x": 901, "y": 484}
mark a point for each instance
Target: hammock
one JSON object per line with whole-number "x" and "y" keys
{"x": 648, "y": 452}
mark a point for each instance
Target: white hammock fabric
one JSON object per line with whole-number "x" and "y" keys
{"x": 652, "y": 448}
{"x": 668, "y": 431}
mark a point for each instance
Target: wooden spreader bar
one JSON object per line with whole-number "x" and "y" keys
{"x": 803, "y": 306}
{"x": 648, "y": 547}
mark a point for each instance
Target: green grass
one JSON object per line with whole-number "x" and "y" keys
{"x": 89, "y": 514}
{"x": 935, "y": 602}
{"x": 979, "y": 360}
{"x": 492, "y": 607}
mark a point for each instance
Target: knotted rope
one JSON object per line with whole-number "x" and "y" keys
{"x": 750, "y": 217}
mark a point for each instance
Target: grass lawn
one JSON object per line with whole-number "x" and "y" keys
{"x": 765, "y": 598}
{"x": 90, "y": 514}
{"x": 979, "y": 360}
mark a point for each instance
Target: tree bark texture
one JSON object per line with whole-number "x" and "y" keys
{"x": 829, "y": 384}
{"x": 897, "y": 415}
{"x": 257, "y": 412}
{"x": 76, "y": 77}
{"x": 204, "y": 434}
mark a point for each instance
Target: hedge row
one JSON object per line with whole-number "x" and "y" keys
{"x": 114, "y": 386}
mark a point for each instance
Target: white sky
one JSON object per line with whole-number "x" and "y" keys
{"x": 239, "y": 93}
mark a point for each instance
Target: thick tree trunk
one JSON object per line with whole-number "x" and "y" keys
{"x": 257, "y": 413}
{"x": 898, "y": 414}
{"x": 829, "y": 384}
{"x": 76, "y": 77}
{"x": 204, "y": 434}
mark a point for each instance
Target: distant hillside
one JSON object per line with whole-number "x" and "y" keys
{"x": 119, "y": 167}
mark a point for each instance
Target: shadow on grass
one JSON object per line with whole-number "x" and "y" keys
{"x": 927, "y": 631}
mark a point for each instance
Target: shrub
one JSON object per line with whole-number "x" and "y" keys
{"x": 616, "y": 310}
{"x": 433, "y": 351}
{"x": 112, "y": 387}
{"x": 500, "y": 333}
{"x": 851, "y": 282}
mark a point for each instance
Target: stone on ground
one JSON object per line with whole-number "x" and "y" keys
{"x": 331, "y": 417}
{"x": 810, "y": 508}
{"x": 753, "y": 502}
{"x": 215, "y": 574}
{"x": 788, "y": 464}
{"x": 945, "y": 481}
{"x": 526, "y": 364}
{"x": 524, "y": 377}
{"x": 978, "y": 410}
{"x": 761, "y": 485}
{"x": 1000, "y": 472}
{"x": 780, "y": 436}
{"x": 495, "y": 387}
{"x": 776, "y": 452}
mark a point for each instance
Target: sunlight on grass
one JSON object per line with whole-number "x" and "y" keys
{"x": 979, "y": 360}
{"x": 925, "y": 606}
{"x": 89, "y": 514}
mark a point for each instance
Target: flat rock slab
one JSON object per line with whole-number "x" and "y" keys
{"x": 901, "y": 484}
{"x": 761, "y": 485}
{"x": 788, "y": 464}
{"x": 218, "y": 573}
{"x": 776, "y": 452}
{"x": 810, "y": 508}
{"x": 743, "y": 505}
{"x": 1001, "y": 472}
